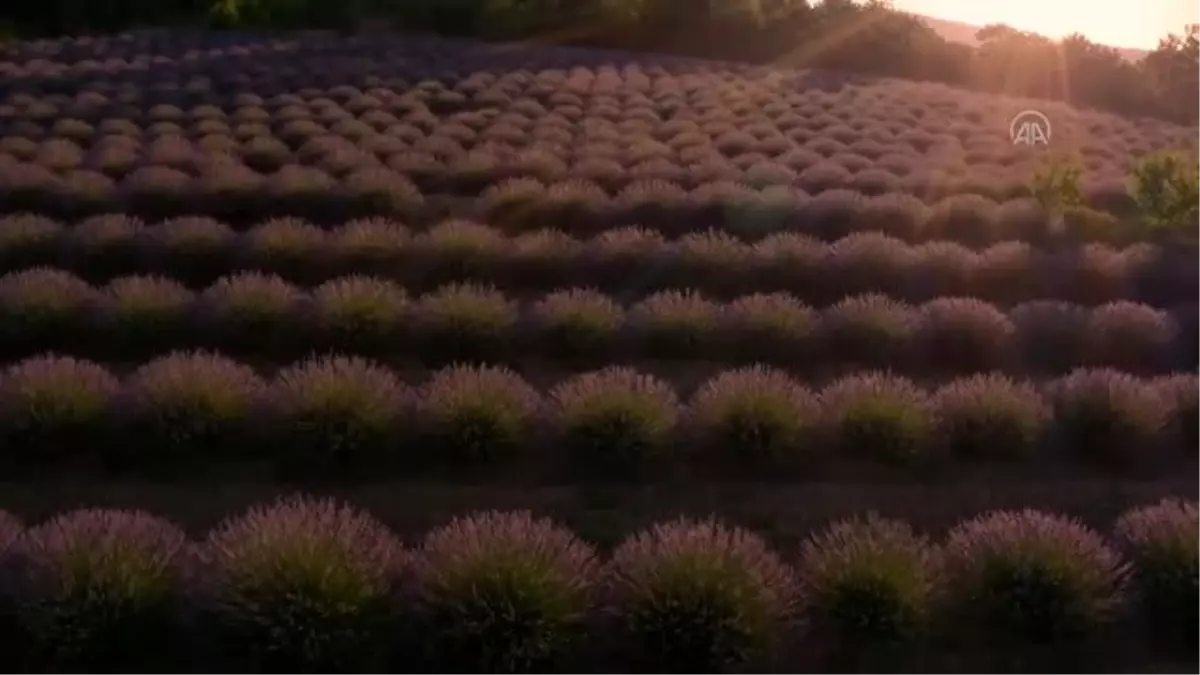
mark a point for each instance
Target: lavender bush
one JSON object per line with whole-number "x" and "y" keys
{"x": 578, "y": 323}
{"x": 464, "y": 321}
{"x": 190, "y": 249}
{"x": 99, "y": 589}
{"x": 27, "y": 240}
{"x": 373, "y": 246}
{"x": 42, "y": 308}
{"x": 476, "y": 415}
{"x": 289, "y": 247}
{"x": 866, "y": 590}
{"x": 1180, "y": 395}
{"x": 675, "y": 324}
{"x": 1026, "y": 578}
{"x": 102, "y": 247}
{"x": 359, "y": 314}
{"x": 754, "y": 415}
{"x": 1049, "y": 334}
{"x": 1130, "y": 337}
{"x": 301, "y": 585}
{"x": 187, "y": 409}
{"x": 502, "y": 592}
{"x": 145, "y": 315}
{"x": 879, "y": 416}
{"x": 1162, "y": 543}
{"x": 335, "y": 414}
{"x": 1107, "y": 416}
{"x": 868, "y": 331}
{"x": 963, "y": 335}
{"x": 697, "y": 597}
{"x": 771, "y": 327}
{"x": 614, "y": 419}
{"x": 53, "y": 408}
{"x": 251, "y": 312}
{"x": 990, "y": 417}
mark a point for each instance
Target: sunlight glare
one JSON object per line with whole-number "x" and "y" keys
{"x": 1117, "y": 23}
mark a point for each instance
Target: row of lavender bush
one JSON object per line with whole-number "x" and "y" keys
{"x": 449, "y": 122}
{"x": 252, "y": 314}
{"x": 549, "y": 152}
{"x": 228, "y": 189}
{"x": 631, "y": 128}
{"x": 198, "y": 250}
{"x": 307, "y": 585}
{"x": 339, "y": 416}
{"x": 798, "y": 132}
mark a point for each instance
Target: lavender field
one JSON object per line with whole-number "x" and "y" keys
{"x": 421, "y": 204}
{"x": 468, "y": 276}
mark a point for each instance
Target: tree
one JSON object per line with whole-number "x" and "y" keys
{"x": 1172, "y": 71}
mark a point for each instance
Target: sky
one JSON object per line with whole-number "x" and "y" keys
{"x": 1116, "y": 23}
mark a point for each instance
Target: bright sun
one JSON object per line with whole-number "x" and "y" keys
{"x": 1118, "y": 23}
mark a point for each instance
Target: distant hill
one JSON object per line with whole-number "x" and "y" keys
{"x": 957, "y": 31}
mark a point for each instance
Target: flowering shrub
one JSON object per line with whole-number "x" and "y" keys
{"x": 302, "y": 584}
{"x": 99, "y": 589}
{"x": 1161, "y": 541}
{"x": 697, "y": 597}
{"x": 1028, "y": 578}
{"x": 866, "y": 588}
{"x": 502, "y": 592}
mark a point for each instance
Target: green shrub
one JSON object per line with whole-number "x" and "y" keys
{"x": 285, "y": 14}
{"x": 1166, "y": 188}
{"x": 1055, "y": 184}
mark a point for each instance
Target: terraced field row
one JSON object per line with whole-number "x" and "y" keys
{"x": 231, "y": 192}
{"x": 338, "y": 417}
{"x": 264, "y": 317}
{"x": 423, "y": 606}
{"x": 624, "y": 261}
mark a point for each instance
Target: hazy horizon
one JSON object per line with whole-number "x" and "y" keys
{"x": 1116, "y": 23}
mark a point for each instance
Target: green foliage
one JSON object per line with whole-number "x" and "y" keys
{"x": 1166, "y": 188}
{"x": 285, "y": 14}
{"x": 1055, "y": 184}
